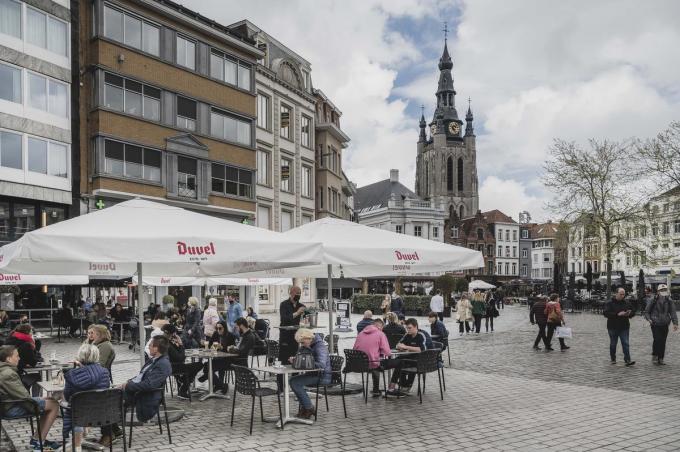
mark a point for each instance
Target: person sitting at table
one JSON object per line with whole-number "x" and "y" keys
{"x": 12, "y": 388}
{"x": 29, "y": 355}
{"x": 210, "y": 318}
{"x": 152, "y": 376}
{"x": 372, "y": 341}
{"x": 120, "y": 315}
{"x": 437, "y": 328}
{"x": 88, "y": 375}
{"x": 4, "y": 319}
{"x": 251, "y": 313}
{"x": 184, "y": 372}
{"x": 100, "y": 337}
{"x": 221, "y": 340}
{"x": 307, "y": 339}
{"x": 159, "y": 320}
{"x": 393, "y": 327}
{"x": 413, "y": 341}
{"x": 367, "y": 320}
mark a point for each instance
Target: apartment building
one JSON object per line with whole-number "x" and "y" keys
{"x": 506, "y": 231}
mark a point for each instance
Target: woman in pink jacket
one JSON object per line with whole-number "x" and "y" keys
{"x": 210, "y": 319}
{"x": 373, "y": 342}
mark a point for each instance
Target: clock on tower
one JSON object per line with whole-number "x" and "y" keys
{"x": 454, "y": 128}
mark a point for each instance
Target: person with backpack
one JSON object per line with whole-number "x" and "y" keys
{"x": 490, "y": 314}
{"x": 660, "y": 312}
{"x": 553, "y": 312}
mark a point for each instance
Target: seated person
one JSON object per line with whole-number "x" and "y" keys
{"x": 184, "y": 372}
{"x": 373, "y": 342}
{"x": 322, "y": 360}
{"x": 220, "y": 340}
{"x": 12, "y": 388}
{"x": 413, "y": 341}
{"x": 118, "y": 314}
{"x": 438, "y": 329}
{"x": 4, "y": 319}
{"x": 152, "y": 376}
{"x": 393, "y": 327}
{"x": 250, "y": 312}
{"x": 87, "y": 376}
{"x": 367, "y": 320}
{"x": 261, "y": 328}
{"x": 29, "y": 354}
{"x": 159, "y": 320}
{"x": 249, "y": 343}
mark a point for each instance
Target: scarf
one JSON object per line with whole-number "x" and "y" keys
{"x": 25, "y": 337}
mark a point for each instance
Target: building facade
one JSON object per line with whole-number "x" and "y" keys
{"x": 525, "y": 246}
{"x": 330, "y": 141}
{"x": 166, "y": 109}
{"x": 389, "y": 205}
{"x": 36, "y": 117}
{"x": 446, "y": 164}
{"x": 475, "y": 233}
{"x": 507, "y": 234}
{"x": 543, "y": 240}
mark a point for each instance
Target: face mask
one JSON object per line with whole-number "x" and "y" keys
{"x": 296, "y": 298}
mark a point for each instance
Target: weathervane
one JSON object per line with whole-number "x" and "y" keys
{"x": 446, "y": 30}
{"x": 422, "y": 109}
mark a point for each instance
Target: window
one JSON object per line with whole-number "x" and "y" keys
{"x": 48, "y": 95}
{"x": 500, "y": 235}
{"x": 399, "y": 229}
{"x": 514, "y": 268}
{"x": 263, "y": 217}
{"x": 454, "y": 232}
{"x": 546, "y": 257}
{"x": 10, "y": 11}
{"x": 186, "y": 53}
{"x": 286, "y": 220}
{"x": 514, "y": 235}
{"x": 514, "y": 251}
{"x": 418, "y": 231}
{"x": 480, "y": 234}
{"x": 230, "y": 70}
{"x": 306, "y": 125}
{"x": 287, "y": 176}
{"x": 47, "y": 157}
{"x": 435, "y": 232}
{"x": 285, "y": 121}
{"x": 666, "y": 207}
{"x": 186, "y": 177}
{"x": 500, "y": 251}
{"x": 263, "y": 111}
{"x": 131, "y": 30}
{"x": 262, "y": 167}
{"x": 10, "y": 149}
{"x": 128, "y": 160}
{"x": 580, "y": 268}
{"x": 321, "y": 191}
{"x": 460, "y": 174}
{"x": 535, "y": 258}
{"x": 489, "y": 250}
{"x": 507, "y": 235}
{"x": 525, "y": 233}
{"x": 228, "y": 180}
{"x": 490, "y": 268}
{"x": 186, "y": 113}
{"x": 132, "y": 97}
{"x": 676, "y": 226}
{"x": 666, "y": 228}
{"x": 45, "y": 31}
{"x": 524, "y": 270}
{"x": 500, "y": 269}
{"x": 230, "y": 128}
{"x": 525, "y": 253}
{"x": 306, "y": 181}
{"x": 449, "y": 174}
{"x": 507, "y": 251}
{"x": 306, "y": 219}
{"x": 655, "y": 229}
{"x": 10, "y": 80}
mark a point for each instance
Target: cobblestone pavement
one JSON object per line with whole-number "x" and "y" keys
{"x": 501, "y": 395}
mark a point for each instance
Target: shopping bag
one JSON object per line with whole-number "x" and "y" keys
{"x": 563, "y": 332}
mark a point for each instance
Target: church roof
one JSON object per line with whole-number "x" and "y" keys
{"x": 376, "y": 195}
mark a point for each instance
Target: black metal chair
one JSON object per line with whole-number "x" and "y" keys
{"x": 357, "y": 361}
{"x": 248, "y": 384}
{"x": 133, "y": 403}
{"x": 425, "y": 362}
{"x": 336, "y": 380}
{"x": 336, "y": 338}
{"x": 440, "y": 346}
{"x": 34, "y": 410}
{"x": 95, "y": 408}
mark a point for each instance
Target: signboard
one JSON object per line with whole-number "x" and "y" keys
{"x": 343, "y": 311}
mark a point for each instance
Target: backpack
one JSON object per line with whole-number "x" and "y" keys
{"x": 553, "y": 316}
{"x": 304, "y": 359}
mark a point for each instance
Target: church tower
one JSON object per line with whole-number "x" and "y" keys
{"x": 446, "y": 166}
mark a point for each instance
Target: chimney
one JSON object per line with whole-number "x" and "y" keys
{"x": 394, "y": 175}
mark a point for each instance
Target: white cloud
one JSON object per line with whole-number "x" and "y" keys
{"x": 511, "y": 197}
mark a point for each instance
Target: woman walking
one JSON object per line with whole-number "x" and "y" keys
{"x": 464, "y": 314}
{"x": 491, "y": 313}
{"x": 478, "y": 310}
{"x": 553, "y": 311}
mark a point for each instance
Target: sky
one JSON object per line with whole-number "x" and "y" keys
{"x": 535, "y": 70}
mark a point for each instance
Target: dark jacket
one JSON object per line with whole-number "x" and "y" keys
{"x": 28, "y": 356}
{"x": 611, "y": 311}
{"x": 176, "y": 354}
{"x": 394, "y": 329}
{"x": 154, "y": 377}
{"x": 261, "y": 328}
{"x": 193, "y": 322}
{"x": 120, "y": 316}
{"x": 660, "y": 311}
{"x": 225, "y": 340}
{"x": 286, "y": 311}
{"x": 428, "y": 339}
{"x": 537, "y": 313}
{"x": 397, "y": 305}
{"x": 363, "y": 323}
{"x": 249, "y": 342}
{"x": 322, "y": 359}
{"x": 90, "y": 376}
{"x": 438, "y": 329}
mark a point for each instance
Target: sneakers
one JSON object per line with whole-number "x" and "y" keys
{"x": 536, "y": 347}
{"x": 613, "y": 361}
{"x": 394, "y": 393}
{"x": 47, "y": 445}
{"x": 306, "y": 413}
{"x": 630, "y": 363}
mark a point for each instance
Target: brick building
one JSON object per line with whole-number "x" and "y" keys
{"x": 476, "y": 233}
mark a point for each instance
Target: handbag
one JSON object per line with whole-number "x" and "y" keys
{"x": 562, "y": 332}
{"x": 304, "y": 360}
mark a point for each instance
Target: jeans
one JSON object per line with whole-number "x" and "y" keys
{"x": 460, "y": 327}
{"x": 486, "y": 323}
{"x": 405, "y": 380}
{"x": 660, "y": 333}
{"x": 298, "y": 383}
{"x": 541, "y": 336}
{"x": 614, "y": 336}
{"x": 551, "y": 332}
{"x": 478, "y": 322}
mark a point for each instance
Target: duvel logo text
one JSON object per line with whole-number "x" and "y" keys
{"x": 407, "y": 258}
{"x": 195, "y": 252}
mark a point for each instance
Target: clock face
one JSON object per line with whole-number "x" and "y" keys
{"x": 454, "y": 128}
{"x": 433, "y": 129}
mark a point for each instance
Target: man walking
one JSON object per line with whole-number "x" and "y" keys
{"x": 437, "y": 305}
{"x": 660, "y": 311}
{"x": 537, "y": 315}
{"x": 618, "y": 312}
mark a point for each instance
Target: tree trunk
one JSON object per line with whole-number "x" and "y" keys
{"x": 608, "y": 252}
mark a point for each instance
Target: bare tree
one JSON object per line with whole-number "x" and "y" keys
{"x": 594, "y": 185}
{"x": 660, "y": 157}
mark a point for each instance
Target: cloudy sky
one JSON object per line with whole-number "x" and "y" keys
{"x": 535, "y": 70}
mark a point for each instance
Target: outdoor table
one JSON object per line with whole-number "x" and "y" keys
{"x": 51, "y": 388}
{"x": 121, "y": 324}
{"x": 285, "y": 371}
{"x": 47, "y": 368}
{"x": 211, "y": 354}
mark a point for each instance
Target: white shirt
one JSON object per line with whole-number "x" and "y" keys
{"x": 437, "y": 303}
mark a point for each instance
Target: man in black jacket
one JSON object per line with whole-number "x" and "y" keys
{"x": 537, "y": 316}
{"x": 618, "y": 312}
{"x": 290, "y": 312}
{"x": 250, "y": 341}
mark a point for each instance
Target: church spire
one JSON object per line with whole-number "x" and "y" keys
{"x": 469, "y": 130}
{"x": 446, "y": 94}
{"x": 445, "y": 61}
{"x": 423, "y": 137}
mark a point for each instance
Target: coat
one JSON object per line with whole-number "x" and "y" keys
{"x": 154, "y": 378}
{"x": 464, "y": 310}
{"x": 661, "y": 312}
{"x": 105, "y": 352}
{"x": 374, "y": 343}
{"x": 322, "y": 359}
{"x": 85, "y": 378}
{"x": 614, "y": 320}
{"x": 210, "y": 319}
{"x": 11, "y": 387}
{"x": 193, "y": 322}
{"x": 28, "y": 355}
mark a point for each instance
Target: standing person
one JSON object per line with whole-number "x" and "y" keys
{"x": 290, "y": 312}
{"x": 385, "y": 305}
{"x": 660, "y": 312}
{"x": 555, "y": 317}
{"x": 478, "y": 310}
{"x": 537, "y": 316}
{"x": 491, "y": 313}
{"x": 100, "y": 337}
{"x": 618, "y": 312}
{"x": 397, "y": 304}
{"x": 192, "y": 328}
{"x": 210, "y": 319}
{"x": 464, "y": 313}
{"x": 234, "y": 311}
{"x": 437, "y": 305}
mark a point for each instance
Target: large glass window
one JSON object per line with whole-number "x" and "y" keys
{"x": 57, "y": 36}
{"x": 186, "y": 53}
{"x": 10, "y": 150}
{"x": 132, "y": 161}
{"x": 47, "y": 157}
{"x": 186, "y": 113}
{"x": 37, "y": 91}
{"x": 58, "y": 99}
{"x": 263, "y": 217}
{"x": 228, "y": 180}
{"x": 10, "y": 81}
{"x": 286, "y": 220}
{"x": 227, "y": 127}
{"x": 132, "y": 97}
{"x": 286, "y": 175}
{"x": 47, "y": 95}
{"x": 244, "y": 76}
{"x": 24, "y": 219}
{"x": 37, "y": 155}
{"x": 263, "y": 111}
{"x": 263, "y": 167}
{"x": 306, "y": 124}
{"x": 131, "y": 30}
{"x": 36, "y": 28}
{"x": 284, "y": 122}
{"x": 47, "y": 32}
{"x": 4, "y": 208}
{"x": 10, "y": 18}
{"x": 230, "y": 70}
{"x": 186, "y": 177}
